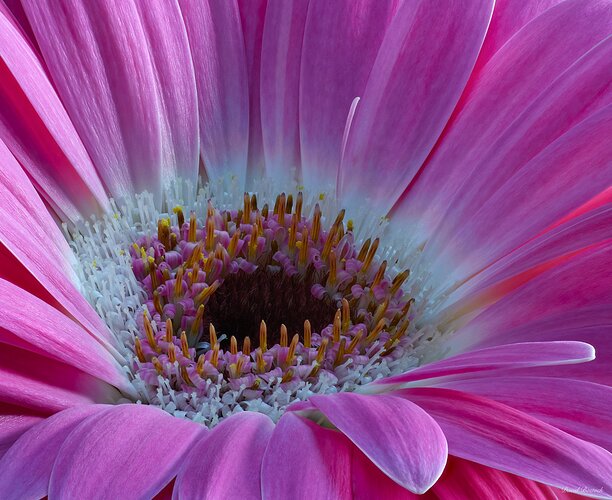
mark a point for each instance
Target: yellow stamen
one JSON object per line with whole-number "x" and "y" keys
{"x": 200, "y": 365}
{"x": 316, "y": 224}
{"x": 213, "y": 334}
{"x": 283, "y": 336}
{"x": 246, "y": 213}
{"x": 233, "y": 345}
{"x": 380, "y": 312}
{"x": 293, "y": 232}
{"x": 184, "y": 344}
{"x": 376, "y": 332}
{"x": 399, "y": 280}
{"x": 329, "y": 243}
{"x": 180, "y": 217}
{"x": 304, "y": 247}
{"x": 178, "y": 284}
{"x": 264, "y": 211}
{"x": 307, "y": 334}
{"x": 171, "y": 353}
{"x": 158, "y": 366}
{"x": 205, "y": 294}
{"x": 291, "y": 351}
{"x": 192, "y": 228}
{"x": 254, "y": 203}
{"x": 340, "y": 217}
{"x": 346, "y": 315}
{"x": 139, "y": 351}
{"x": 246, "y": 346}
{"x": 210, "y": 234}
{"x": 370, "y": 256}
{"x": 157, "y": 303}
{"x": 233, "y": 245}
{"x": 263, "y": 336}
{"x": 150, "y": 335}
{"x": 331, "y": 278}
{"x": 169, "y": 330}
{"x": 253, "y": 243}
{"x": 214, "y": 359}
{"x": 185, "y": 376}
{"x": 364, "y": 249}
{"x": 380, "y": 274}
{"x": 356, "y": 339}
{"x": 260, "y": 362}
{"x": 281, "y": 209}
{"x": 340, "y": 354}
{"x": 321, "y": 350}
{"x": 337, "y": 326}
{"x": 298, "y": 205}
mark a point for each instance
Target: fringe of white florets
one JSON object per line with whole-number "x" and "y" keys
{"x": 108, "y": 283}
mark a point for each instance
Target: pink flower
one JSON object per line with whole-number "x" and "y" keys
{"x": 391, "y": 280}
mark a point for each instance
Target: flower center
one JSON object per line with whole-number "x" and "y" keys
{"x": 247, "y": 308}
{"x": 247, "y": 275}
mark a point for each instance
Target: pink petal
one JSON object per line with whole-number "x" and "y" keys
{"x": 140, "y": 447}
{"x": 528, "y": 152}
{"x": 233, "y": 470}
{"x": 465, "y": 479}
{"x": 217, "y": 50}
{"x": 252, "y": 17}
{"x": 580, "y": 408}
{"x": 43, "y": 384}
{"x": 495, "y": 358}
{"x": 97, "y": 55}
{"x": 382, "y": 136}
{"x": 37, "y": 129}
{"x": 548, "y": 250}
{"x": 14, "y": 421}
{"x": 498, "y": 436}
{"x": 370, "y": 483}
{"x": 32, "y": 236}
{"x": 280, "y": 83}
{"x": 544, "y": 49}
{"x": 411, "y": 454}
{"x": 341, "y": 41}
{"x": 27, "y": 466}
{"x": 583, "y": 281}
{"x": 304, "y": 460}
{"x": 171, "y": 57}
{"x": 56, "y": 336}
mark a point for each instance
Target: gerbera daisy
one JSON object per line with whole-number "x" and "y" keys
{"x": 310, "y": 249}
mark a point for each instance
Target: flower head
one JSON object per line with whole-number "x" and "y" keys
{"x": 305, "y": 249}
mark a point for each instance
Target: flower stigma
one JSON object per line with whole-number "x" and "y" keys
{"x": 225, "y": 304}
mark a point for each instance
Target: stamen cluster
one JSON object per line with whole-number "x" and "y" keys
{"x": 183, "y": 270}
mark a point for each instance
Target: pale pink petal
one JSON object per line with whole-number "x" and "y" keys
{"x": 35, "y": 126}
{"x": 542, "y": 50}
{"x": 542, "y": 143}
{"x": 400, "y": 117}
{"x": 252, "y": 18}
{"x": 32, "y": 236}
{"x": 217, "y": 50}
{"x": 40, "y": 383}
{"x": 280, "y": 84}
{"x": 411, "y": 454}
{"x": 548, "y": 250}
{"x": 170, "y": 53}
{"x": 341, "y": 41}
{"x": 38, "y": 327}
{"x": 464, "y": 479}
{"x": 139, "y": 447}
{"x": 98, "y": 58}
{"x": 14, "y": 421}
{"x": 15, "y": 9}
{"x": 501, "y": 357}
{"x": 26, "y": 467}
{"x": 581, "y": 282}
{"x": 580, "y": 408}
{"x": 226, "y": 462}
{"x": 499, "y": 436}
{"x": 304, "y": 461}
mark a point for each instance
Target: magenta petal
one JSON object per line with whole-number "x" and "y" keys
{"x": 281, "y": 54}
{"x": 399, "y": 117}
{"x": 510, "y": 82}
{"x": 98, "y": 57}
{"x": 580, "y": 408}
{"x": 139, "y": 447}
{"x": 401, "y": 439}
{"x": 496, "y": 358}
{"x": 15, "y": 421}
{"x": 39, "y": 245}
{"x": 341, "y": 40}
{"x": 36, "y": 128}
{"x": 26, "y": 467}
{"x": 465, "y": 479}
{"x": 305, "y": 461}
{"x": 499, "y": 436}
{"x": 171, "y": 58}
{"x": 217, "y": 50}
{"x": 226, "y": 462}
{"x": 57, "y": 336}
